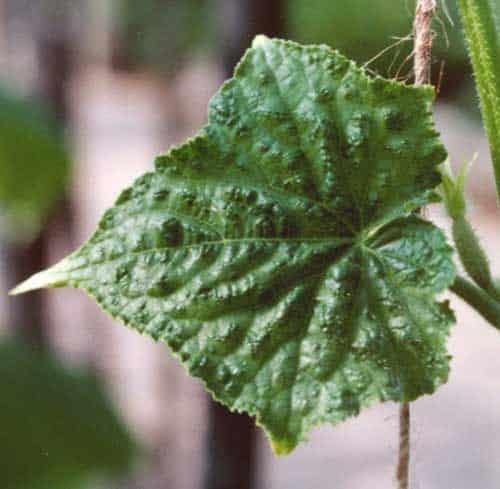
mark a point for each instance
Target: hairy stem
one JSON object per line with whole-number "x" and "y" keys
{"x": 403, "y": 469}
{"x": 483, "y": 39}
{"x": 471, "y": 253}
{"x": 481, "y": 301}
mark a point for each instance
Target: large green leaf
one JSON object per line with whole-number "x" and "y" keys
{"x": 57, "y": 428}
{"x": 34, "y": 166}
{"x": 278, "y": 253}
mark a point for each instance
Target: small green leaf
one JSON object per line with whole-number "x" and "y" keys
{"x": 452, "y": 189}
{"x": 278, "y": 253}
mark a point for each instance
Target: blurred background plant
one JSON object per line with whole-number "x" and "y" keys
{"x": 106, "y": 85}
{"x": 147, "y": 38}
{"x": 57, "y": 429}
{"x": 32, "y": 149}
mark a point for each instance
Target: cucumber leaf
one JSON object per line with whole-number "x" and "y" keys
{"x": 278, "y": 253}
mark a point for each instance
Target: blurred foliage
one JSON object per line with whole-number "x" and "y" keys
{"x": 34, "y": 166}
{"x": 361, "y": 29}
{"x": 159, "y": 34}
{"x": 57, "y": 429}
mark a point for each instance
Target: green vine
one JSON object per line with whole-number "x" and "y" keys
{"x": 484, "y": 296}
{"x": 481, "y": 301}
{"x": 482, "y": 30}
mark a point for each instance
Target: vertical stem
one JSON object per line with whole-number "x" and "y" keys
{"x": 481, "y": 28}
{"x": 403, "y": 469}
{"x": 423, "y": 37}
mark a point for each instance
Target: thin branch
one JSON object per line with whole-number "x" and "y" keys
{"x": 402, "y": 473}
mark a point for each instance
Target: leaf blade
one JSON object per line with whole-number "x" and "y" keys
{"x": 276, "y": 253}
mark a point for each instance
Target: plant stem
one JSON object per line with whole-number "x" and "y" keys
{"x": 403, "y": 469}
{"x": 478, "y": 299}
{"x": 423, "y": 37}
{"x": 483, "y": 40}
{"x": 471, "y": 253}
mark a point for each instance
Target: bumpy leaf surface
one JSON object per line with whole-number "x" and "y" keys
{"x": 278, "y": 253}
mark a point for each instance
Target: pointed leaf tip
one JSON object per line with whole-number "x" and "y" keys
{"x": 32, "y": 283}
{"x": 52, "y": 277}
{"x": 281, "y": 447}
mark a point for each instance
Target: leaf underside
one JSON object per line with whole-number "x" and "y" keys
{"x": 278, "y": 253}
